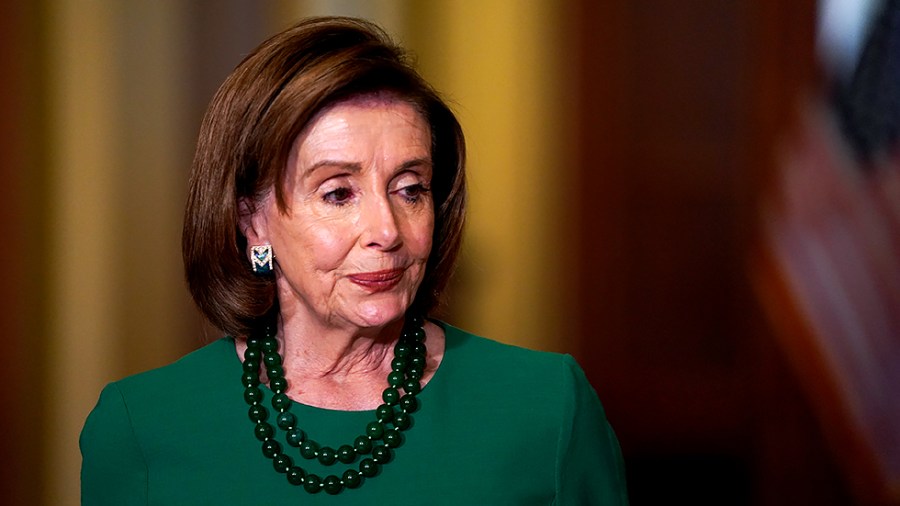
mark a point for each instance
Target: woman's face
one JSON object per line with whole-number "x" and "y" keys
{"x": 352, "y": 245}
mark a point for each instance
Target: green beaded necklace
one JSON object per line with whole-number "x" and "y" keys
{"x": 391, "y": 418}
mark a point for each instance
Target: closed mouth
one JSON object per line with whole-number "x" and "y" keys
{"x": 378, "y": 280}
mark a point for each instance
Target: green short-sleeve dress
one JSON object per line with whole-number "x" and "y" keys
{"x": 497, "y": 425}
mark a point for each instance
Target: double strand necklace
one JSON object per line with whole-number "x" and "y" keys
{"x": 375, "y": 447}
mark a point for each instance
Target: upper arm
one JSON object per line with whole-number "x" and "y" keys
{"x": 113, "y": 468}
{"x": 590, "y": 470}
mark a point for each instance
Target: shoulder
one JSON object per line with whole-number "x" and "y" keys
{"x": 540, "y": 404}
{"x": 161, "y": 424}
{"x": 142, "y": 408}
{"x": 541, "y": 394}
{"x": 161, "y": 396}
{"x": 473, "y": 350}
{"x": 554, "y": 379}
{"x": 210, "y": 360}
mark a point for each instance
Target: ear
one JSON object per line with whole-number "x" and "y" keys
{"x": 252, "y": 221}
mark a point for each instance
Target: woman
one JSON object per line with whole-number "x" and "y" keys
{"x": 325, "y": 212}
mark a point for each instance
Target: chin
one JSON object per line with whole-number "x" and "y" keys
{"x": 379, "y": 314}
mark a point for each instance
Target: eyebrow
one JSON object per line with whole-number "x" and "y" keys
{"x": 348, "y": 166}
{"x": 355, "y": 167}
{"x": 415, "y": 163}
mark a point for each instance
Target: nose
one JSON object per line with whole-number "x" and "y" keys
{"x": 380, "y": 228}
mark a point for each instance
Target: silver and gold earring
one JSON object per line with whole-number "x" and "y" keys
{"x": 262, "y": 259}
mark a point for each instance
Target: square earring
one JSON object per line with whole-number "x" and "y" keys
{"x": 262, "y": 259}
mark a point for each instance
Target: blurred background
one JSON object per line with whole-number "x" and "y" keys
{"x": 643, "y": 175}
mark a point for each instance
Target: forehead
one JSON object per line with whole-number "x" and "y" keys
{"x": 367, "y": 121}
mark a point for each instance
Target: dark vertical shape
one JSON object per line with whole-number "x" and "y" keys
{"x": 20, "y": 256}
{"x": 792, "y": 464}
{"x": 680, "y": 106}
{"x": 599, "y": 106}
{"x": 13, "y": 253}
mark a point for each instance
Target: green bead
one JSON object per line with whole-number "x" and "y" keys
{"x": 251, "y": 367}
{"x": 295, "y": 476}
{"x": 252, "y": 395}
{"x": 281, "y": 402}
{"x": 418, "y": 361}
{"x": 402, "y": 420}
{"x": 346, "y": 454}
{"x": 391, "y": 395}
{"x": 312, "y": 483}
{"x": 395, "y": 378}
{"x": 252, "y": 355}
{"x": 253, "y": 342}
{"x": 327, "y": 455}
{"x": 408, "y": 403}
{"x": 392, "y": 438}
{"x": 258, "y": 413}
{"x": 250, "y": 379}
{"x": 269, "y": 345}
{"x": 368, "y": 468}
{"x": 375, "y": 430}
{"x": 402, "y": 350}
{"x": 415, "y": 372}
{"x": 263, "y": 431}
{"x": 271, "y": 448}
{"x": 282, "y": 463}
{"x": 418, "y": 350}
{"x": 272, "y": 359}
{"x": 295, "y": 437}
{"x": 381, "y": 454}
{"x": 411, "y": 387}
{"x": 384, "y": 413}
{"x": 276, "y": 371}
{"x": 419, "y": 334}
{"x": 286, "y": 420}
{"x": 362, "y": 445}
{"x": 308, "y": 449}
{"x": 332, "y": 485}
{"x": 278, "y": 385}
{"x": 399, "y": 364}
{"x": 352, "y": 479}
{"x": 416, "y": 321}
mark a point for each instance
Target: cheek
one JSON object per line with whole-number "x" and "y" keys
{"x": 423, "y": 230}
{"x": 321, "y": 245}
{"x": 328, "y": 247}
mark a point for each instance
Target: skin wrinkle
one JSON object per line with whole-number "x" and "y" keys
{"x": 358, "y": 201}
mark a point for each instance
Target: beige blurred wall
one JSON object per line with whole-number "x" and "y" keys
{"x": 120, "y": 131}
{"x": 115, "y": 302}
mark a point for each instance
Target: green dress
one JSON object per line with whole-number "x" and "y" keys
{"x": 496, "y": 425}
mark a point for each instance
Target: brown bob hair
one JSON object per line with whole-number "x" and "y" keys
{"x": 247, "y": 134}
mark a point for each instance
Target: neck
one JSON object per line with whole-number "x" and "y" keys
{"x": 333, "y": 364}
{"x": 343, "y": 370}
{"x": 315, "y": 351}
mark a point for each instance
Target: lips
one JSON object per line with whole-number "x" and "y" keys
{"x": 377, "y": 281}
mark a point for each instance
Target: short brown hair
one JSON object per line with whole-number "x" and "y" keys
{"x": 247, "y": 134}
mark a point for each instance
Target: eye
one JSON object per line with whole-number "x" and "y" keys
{"x": 412, "y": 193}
{"x": 338, "y": 196}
